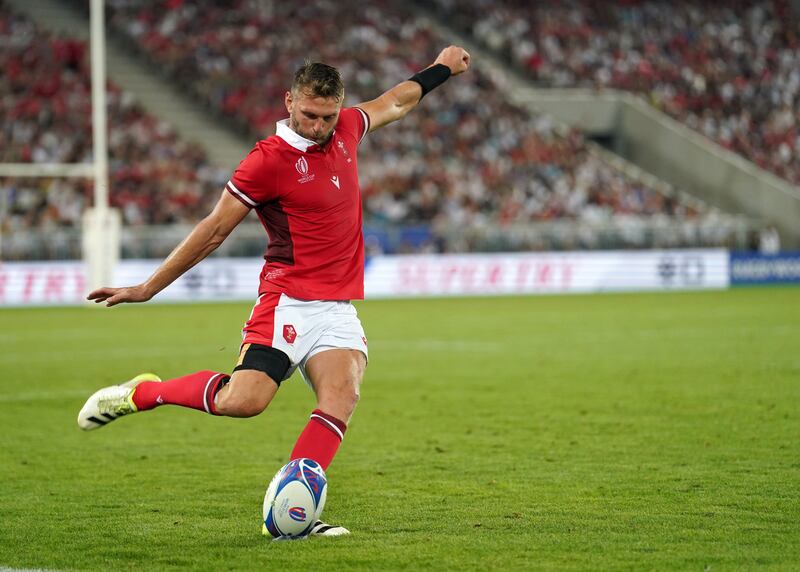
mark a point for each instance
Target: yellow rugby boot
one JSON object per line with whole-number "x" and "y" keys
{"x": 107, "y": 404}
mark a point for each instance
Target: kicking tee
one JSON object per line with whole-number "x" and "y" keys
{"x": 309, "y": 202}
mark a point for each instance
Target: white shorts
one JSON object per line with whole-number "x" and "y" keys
{"x": 303, "y": 328}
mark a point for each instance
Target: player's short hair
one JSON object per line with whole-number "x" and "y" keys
{"x": 318, "y": 79}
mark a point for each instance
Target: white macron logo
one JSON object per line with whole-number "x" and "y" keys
{"x": 335, "y": 181}
{"x": 159, "y": 399}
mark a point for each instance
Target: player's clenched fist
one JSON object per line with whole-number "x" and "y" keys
{"x": 454, "y": 57}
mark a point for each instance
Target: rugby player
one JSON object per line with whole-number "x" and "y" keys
{"x": 303, "y": 184}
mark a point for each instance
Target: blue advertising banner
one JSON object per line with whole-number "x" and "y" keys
{"x": 749, "y": 268}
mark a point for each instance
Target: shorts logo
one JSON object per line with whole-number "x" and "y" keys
{"x": 302, "y": 167}
{"x": 364, "y": 339}
{"x": 289, "y": 333}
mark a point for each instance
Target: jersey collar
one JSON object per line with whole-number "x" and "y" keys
{"x": 294, "y": 139}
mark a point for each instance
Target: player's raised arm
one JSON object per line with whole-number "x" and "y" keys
{"x": 402, "y": 98}
{"x": 202, "y": 241}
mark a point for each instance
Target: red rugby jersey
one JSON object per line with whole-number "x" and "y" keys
{"x": 309, "y": 201}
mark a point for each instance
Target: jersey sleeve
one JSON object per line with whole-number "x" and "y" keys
{"x": 354, "y": 120}
{"x": 253, "y": 181}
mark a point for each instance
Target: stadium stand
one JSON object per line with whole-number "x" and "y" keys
{"x": 155, "y": 177}
{"x": 467, "y": 157}
{"x": 730, "y": 70}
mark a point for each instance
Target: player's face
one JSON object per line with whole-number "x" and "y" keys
{"x": 312, "y": 117}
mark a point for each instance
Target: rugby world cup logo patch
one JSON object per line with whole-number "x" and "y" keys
{"x": 302, "y": 167}
{"x": 298, "y": 513}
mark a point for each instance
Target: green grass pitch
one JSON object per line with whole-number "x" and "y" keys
{"x": 608, "y": 432}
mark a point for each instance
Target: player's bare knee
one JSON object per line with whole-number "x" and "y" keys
{"x": 245, "y": 397}
{"x": 247, "y": 394}
{"x": 351, "y": 390}
{"x": 349, "y": 399}
{"x": 340, "y": 399}
{"x": 251, "y": 408}
{"x": 241, "y": 404}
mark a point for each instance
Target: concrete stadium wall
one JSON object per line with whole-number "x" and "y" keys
{"x": 595, "y": 113}
{"x": 679, "y": 155}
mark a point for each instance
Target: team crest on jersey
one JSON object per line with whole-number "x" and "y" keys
{"x": 344, "y": 151}
{"x": 289, "y": 333}
{"x": 302, "y": 168}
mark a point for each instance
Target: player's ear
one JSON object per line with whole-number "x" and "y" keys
{"x": 287, "y": 99}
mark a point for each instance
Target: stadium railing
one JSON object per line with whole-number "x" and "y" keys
{"x": 248, "y": 240}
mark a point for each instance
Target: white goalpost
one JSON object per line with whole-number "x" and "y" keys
{"x": 101, "y": 224}
{"x": 100, "y": 233}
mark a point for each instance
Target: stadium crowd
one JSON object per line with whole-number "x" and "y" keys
{"x": 730, "y": 70}
{"x": 465, "y": 157}
{"x": 155, "y": 178}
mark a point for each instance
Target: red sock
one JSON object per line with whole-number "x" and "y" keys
{"x": 320, "y": 439}
{"x": 196, "y": 390}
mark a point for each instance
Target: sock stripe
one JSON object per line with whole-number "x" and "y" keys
{"x": 329, "y": 424}
{"x": 209, "y": 390}
{"x": 205, "y": 393}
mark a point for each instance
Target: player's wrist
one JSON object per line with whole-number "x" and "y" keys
{"x": 432, "y": 77}
{"x": 147, "y": 290}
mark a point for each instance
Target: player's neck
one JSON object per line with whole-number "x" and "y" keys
{"x": 285, "y": 131}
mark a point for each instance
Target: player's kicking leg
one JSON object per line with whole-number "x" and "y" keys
{"x": 244, "y": 394}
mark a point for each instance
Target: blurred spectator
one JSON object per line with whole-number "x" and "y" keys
{"x": 769, "y": 241}
{"x": 730, "y": 70}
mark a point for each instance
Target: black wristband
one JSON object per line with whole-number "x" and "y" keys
{"x": 431, "y": 77}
